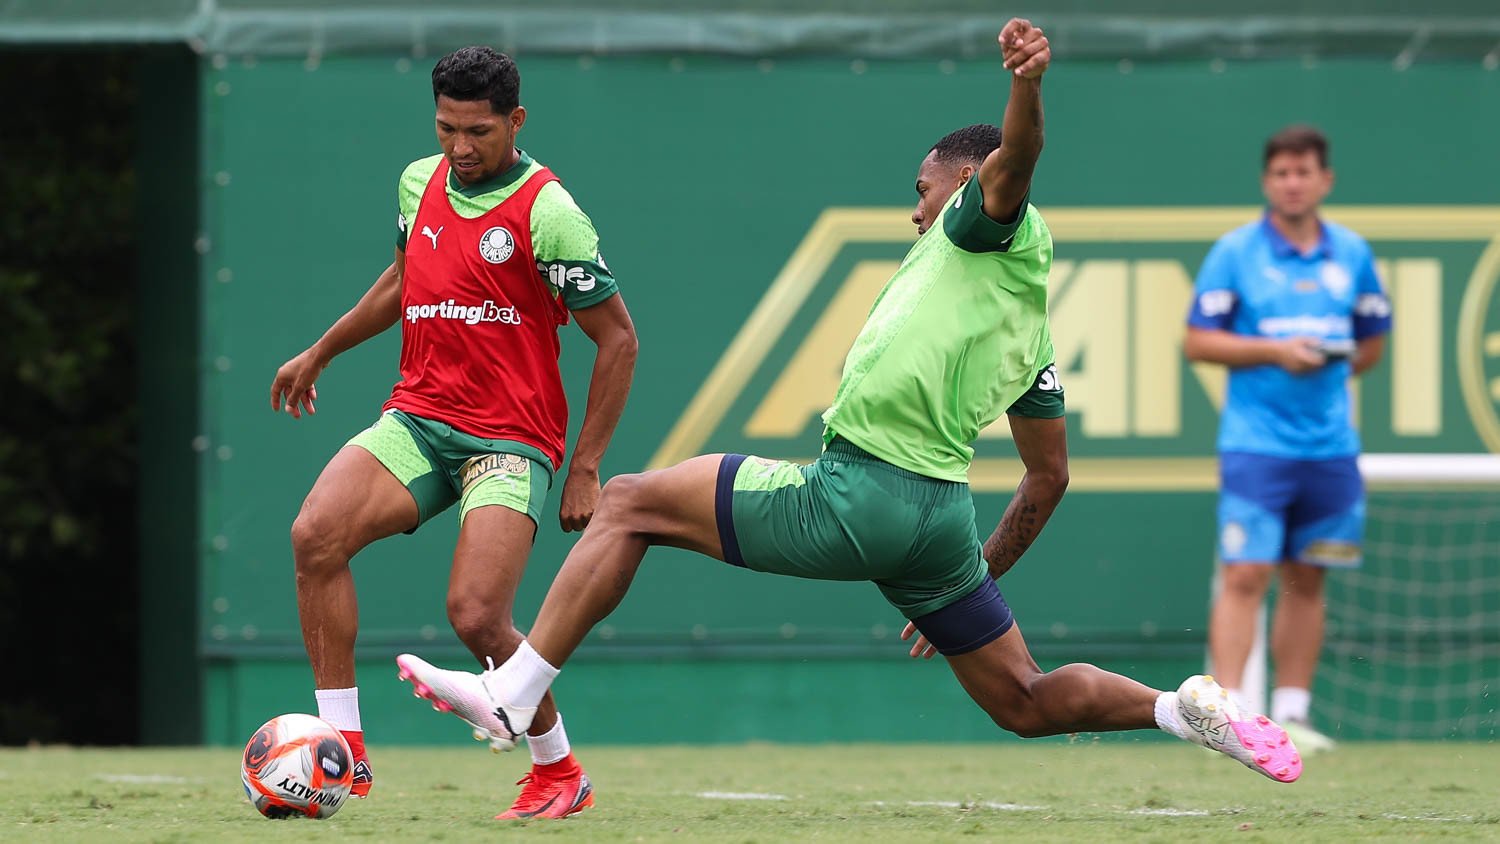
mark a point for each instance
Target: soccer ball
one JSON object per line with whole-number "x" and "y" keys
{"x": 295, "y": 766}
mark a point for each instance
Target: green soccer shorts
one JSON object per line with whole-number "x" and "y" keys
{"x": 852, "y": 516}
{"x": 440, "y": 465}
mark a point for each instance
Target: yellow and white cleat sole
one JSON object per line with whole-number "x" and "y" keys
{"x": 1213, "y": 720}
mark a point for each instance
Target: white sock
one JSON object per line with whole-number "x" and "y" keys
{"x": 1289, "y": 703}
{"x": 339, "y": 707}
{"x": 525, "y": 677}
{"x": 1166, "y": 715}
{"x": 550, "y": 746}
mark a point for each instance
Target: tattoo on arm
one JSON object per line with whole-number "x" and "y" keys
{"x": 1018, "y": 528}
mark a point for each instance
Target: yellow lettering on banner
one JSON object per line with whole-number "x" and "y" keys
{"x": 1416, "y": 291}
{"x": 1118, "y": 328}
{"x": 806, "y": 386}
{"x": 1089, "y": 325}
{"x": 1163, "y": 292}
{"x": 1116, "y": 324}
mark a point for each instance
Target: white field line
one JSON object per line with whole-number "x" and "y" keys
{"x": 954, "y": 804}
{"x": 1459, "y": 819}
{"x": 1005, "y": 807}
{"x": 739, "y": 795}
{"x": 161, "y": 779}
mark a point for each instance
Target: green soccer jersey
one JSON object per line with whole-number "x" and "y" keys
{"x": 957, "y": 335}
{"x": 562, "y": 236}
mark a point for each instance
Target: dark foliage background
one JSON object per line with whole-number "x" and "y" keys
{"x": 68, "y": 411}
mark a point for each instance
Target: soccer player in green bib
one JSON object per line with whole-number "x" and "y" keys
{"x": 958, "y": 336}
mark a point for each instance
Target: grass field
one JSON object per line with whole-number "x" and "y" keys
{"x": 1102, "y": 791}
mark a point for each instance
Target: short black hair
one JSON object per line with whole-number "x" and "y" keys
{"x": 969, "y": 145}
{"x": 1297, "y": 140}
{"x": 478, "y": 73}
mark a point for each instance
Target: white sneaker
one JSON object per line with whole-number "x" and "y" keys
{"x": 1213, "y": 720}
{"x": 1309, "y": 739}
{"x": 469, "y": 697}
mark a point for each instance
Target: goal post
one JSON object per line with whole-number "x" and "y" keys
{"x": 1412, "y": 642}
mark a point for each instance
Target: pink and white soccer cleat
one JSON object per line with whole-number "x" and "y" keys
{"x": 1213, "y": 720}
{"x": 467, "y": 695}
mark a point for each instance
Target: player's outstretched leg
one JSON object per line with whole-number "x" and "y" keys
{"x": 666, "y": 507}
{"x": 1005, "y": 681}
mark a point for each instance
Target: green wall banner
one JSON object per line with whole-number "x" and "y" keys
{"x": 750, "y": 210}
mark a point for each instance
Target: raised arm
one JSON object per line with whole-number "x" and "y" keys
{"x": 1005, "y": 174}
{"x": 295, "y": 387}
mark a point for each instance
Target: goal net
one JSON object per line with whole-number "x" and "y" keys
{"x": 1412, "y": 648}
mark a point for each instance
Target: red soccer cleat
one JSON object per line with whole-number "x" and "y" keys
{"x": 363, "y": 779}
{"x": 551, "y": 791}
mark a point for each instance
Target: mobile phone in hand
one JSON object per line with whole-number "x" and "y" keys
{"x": 1336, "y": 349}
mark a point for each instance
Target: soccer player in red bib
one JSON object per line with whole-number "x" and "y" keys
{"x": 492, "y": 257}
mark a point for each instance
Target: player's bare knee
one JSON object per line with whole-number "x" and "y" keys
{"x": 1022, "y": 716}
{"x": 1014, "y": 707}
{"x": 1032, "y": 728}
{"x": 482, "y": 627}
{"x": 317, "y": 544}
{"x": 623, "y": 503}
{"x": 1050, "y": 704}
{"x": 619, "y": 494}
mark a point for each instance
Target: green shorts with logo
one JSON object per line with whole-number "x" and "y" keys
{"x": 439, "y": 465}
{"x": 852, "y": 516}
